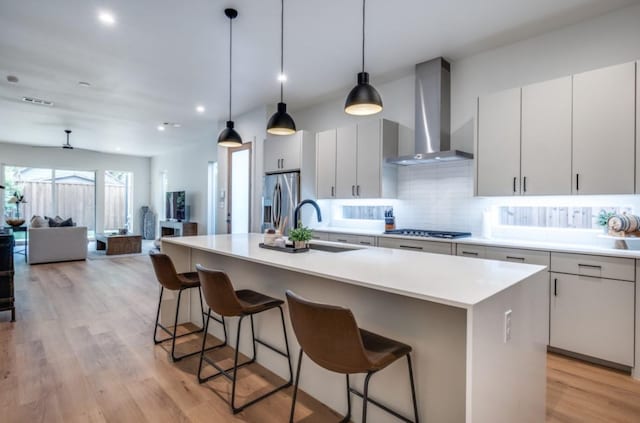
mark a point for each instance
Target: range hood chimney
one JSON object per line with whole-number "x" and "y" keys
{"x": 432, "y": 119}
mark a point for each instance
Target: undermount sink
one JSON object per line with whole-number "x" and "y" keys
{"x": 331, "y": 248}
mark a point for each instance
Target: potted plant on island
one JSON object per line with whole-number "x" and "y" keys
{"x": 301, "y": 237}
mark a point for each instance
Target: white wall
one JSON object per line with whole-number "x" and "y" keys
{"x": 187, "y": 169}
{"x": 606, "y": 40}
{"x": 609, "y": 39}
{"x": 57, "y": 158}
{"x": 441, "y": 196}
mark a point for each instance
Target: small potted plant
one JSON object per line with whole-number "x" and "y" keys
{"x": 603, "y": 219}
{"x": 300, "y": 237}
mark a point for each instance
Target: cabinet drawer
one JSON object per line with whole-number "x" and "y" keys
{"x": 353, "y": 239}
{"x": 518, "y": 256}
{"x": 475, "y": 251}
{"x": 593, "y": 316}
{"x": 416, "y": 245}
{"x": 597, "y": 266}
{"x": 321, "y": 236}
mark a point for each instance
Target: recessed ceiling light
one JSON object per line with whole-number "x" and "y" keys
{"x": 118, "y": 148}
{"x": 160, "y": 127}
{"x": 106, "y": 18}
{"x": 282, "y": 77}
{"x": 12, "y": 78}
{"x": 200, "y": 109}
{"x": 37, "y": 101}
{"x": 84, "y": 84}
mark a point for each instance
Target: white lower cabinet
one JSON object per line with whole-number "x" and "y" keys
{"x": 321, "y": 236}
{"x": 593, "y": 316}
{"x": 353, "y": 239}
{"x": 416, "y": 245}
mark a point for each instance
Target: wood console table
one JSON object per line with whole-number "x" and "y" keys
{"x": 174, "y": 228}
{"x": 119, "y": 244}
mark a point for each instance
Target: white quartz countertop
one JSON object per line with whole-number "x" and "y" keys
{"x": 457, "y": 281}
{"x": 507, "y": 243}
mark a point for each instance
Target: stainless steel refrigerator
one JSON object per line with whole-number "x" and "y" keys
{"x": 281, "y": 194}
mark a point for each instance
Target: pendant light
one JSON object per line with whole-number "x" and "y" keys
{"x": 281, "y": 123}
{"x": 229, "y": 137}
{"x": 363, "y": 99}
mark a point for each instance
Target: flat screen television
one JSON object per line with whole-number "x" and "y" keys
{"x": 176, "y": 205}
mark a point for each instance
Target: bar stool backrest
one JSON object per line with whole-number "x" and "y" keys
{"x": 218, "y": 292}
{"x": 165, "y": 271}
{"x": 328, "y": 334}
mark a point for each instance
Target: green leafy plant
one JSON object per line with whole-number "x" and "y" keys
{"x": 301, "y": 234}
{"x": 604, "y": 216}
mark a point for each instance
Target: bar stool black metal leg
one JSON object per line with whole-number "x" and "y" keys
{"x": 365, "y": 397}
{"x": 175, "y": 329}
{"x": 413, "y": 390}
{"x": 235, "y": 366}
{"x": 204, "y": 342}
{"x": 201, "y": 307}
{"x": 347, "y": 417}
{"x": 253, "y": 340}
{"x": 155, "y": 327}
{"x": 295, "y": 387}
{"x": 286, "y": 344}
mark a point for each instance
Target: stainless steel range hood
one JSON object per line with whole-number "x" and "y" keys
{"x": 432, "y": 120}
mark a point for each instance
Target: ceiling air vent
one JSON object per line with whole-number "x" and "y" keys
{"x": 37, "y": 101}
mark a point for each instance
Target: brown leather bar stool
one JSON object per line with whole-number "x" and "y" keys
{"x": 168, "y": 278}
{"x": 227, "y": 302}
{"x": 330, "y": 336}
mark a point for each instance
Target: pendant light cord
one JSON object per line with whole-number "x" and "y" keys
{"x": 363, "y": 8}
{"x": 282, "y": 51}
{"x": 230, "y": 62}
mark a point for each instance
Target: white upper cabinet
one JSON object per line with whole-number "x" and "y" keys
{"x": 604, "y": 130}
{"x": 369, "y": 163}
{"x": 350, "y": 161}
{"x": 498, "y": 144}
{"x": 546, "y": 138}
{"x": 283, "y": 152}
{"x": 346, "y": 158}
{"x": 326, "y": 164}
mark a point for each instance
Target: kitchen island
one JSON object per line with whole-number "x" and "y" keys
{"x": 478, "y": 328}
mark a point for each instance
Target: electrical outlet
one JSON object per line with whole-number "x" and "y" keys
{"x": 507, "y": 326}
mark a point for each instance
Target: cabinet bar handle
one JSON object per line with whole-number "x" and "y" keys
{"x": 341, "y": 240}
{"x": 469, "y": 253}
{"x": 411, "y": 247}
{"x": 333, "y": 191}
{"x": 524, "y": 184}
{"x": 591, "y": 266}
{"x": 514, "y": 184}
{"x": 555, "y": 287}
{"x": 515, "y": 258}
{"x": 358, "y": 190}
{"x": 353, "y": 190}
{"x": 365, "y": 243}
{"x": 577, "y": 182}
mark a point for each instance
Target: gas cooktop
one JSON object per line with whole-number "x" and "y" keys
{"x": 428, "y": 233}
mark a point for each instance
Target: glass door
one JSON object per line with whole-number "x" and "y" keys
{"x": 239, "y": 212}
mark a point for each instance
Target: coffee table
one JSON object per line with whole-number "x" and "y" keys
{"x": 119, "y": 244}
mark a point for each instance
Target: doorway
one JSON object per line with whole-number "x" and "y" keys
{"x": 239, "y": 180}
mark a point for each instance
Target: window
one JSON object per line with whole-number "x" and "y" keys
{"x": 53, "y": 192}
{"x": 118, "y": 204}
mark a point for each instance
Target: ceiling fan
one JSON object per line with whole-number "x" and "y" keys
{"x": 65, "y": 146}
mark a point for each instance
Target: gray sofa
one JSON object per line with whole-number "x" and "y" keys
{"x": 48, "y": 245}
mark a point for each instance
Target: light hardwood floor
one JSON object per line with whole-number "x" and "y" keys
{"x": 82, "y": 351}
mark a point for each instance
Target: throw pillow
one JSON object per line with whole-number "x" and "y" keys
{"x": 66, "y": 223}
{"x": 38, "y": 222}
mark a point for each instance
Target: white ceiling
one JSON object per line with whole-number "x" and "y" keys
{"x": 165, "y": 56}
